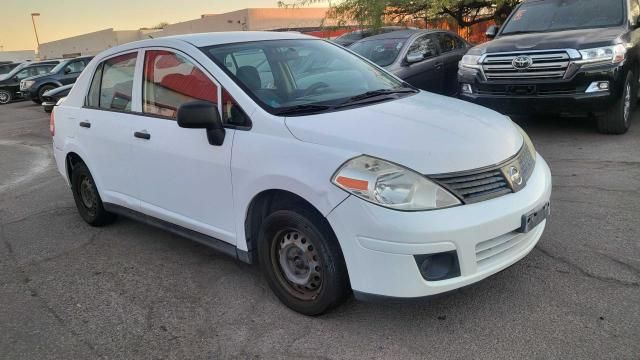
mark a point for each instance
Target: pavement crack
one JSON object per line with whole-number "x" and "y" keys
{"x": 586, "y": 273}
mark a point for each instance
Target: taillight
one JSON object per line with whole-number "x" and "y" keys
{"x": 52, "y": 125}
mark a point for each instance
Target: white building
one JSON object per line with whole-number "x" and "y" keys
{"x": 17, "y": 56}
{"x": 280, "y": 19}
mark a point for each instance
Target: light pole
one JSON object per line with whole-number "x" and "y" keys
{"x": 33, "y": 20}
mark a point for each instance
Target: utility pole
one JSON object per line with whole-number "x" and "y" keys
{"x": 33, "y": 20}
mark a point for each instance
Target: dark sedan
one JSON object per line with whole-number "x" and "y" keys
{"x": 51, "y": 97}
{"x": 353, "y": 36}
{"x": 426, "y": 59}
{"x": 64, "y": 73}
{"x": 10, "y": 82}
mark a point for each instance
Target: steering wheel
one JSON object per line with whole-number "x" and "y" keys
{"x": 315, "y": 87}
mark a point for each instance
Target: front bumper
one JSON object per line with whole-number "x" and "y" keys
{"x": 379, "y": 244}
{"x": 546, "y": 96}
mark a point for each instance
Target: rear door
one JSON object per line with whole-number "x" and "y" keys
{"x": 426, "y": 74}
{"x": 180, "y": 177}
{"x": 104, "y": 129}
{"x": 452, "y": 50}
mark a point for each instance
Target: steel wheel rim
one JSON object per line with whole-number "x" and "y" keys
{"x": 297, "y": 264}
{"x": 4, "y": 97}
{"x": 87, "y": 195}
{"x": 627, "y": 103}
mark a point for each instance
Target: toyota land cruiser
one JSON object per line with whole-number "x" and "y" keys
{"x": 560, "y": 56}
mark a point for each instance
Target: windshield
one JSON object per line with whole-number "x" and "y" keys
{"x": 556, "y": 15}
{"x": 281, "y": 74}
{"x": 382, "y": 52}
{"x": 59, "y": 67}
{"x": 13, "y": 72}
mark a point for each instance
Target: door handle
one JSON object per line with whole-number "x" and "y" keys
{"x": 85, "y": 124}
{"x": 439, "y": 65}
{"x": 142, "y": 135}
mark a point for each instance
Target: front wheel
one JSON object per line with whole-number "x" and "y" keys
{"x": 41, "y": 92}
{"x": 618, "y": 119}
{"x": 5, "y": 97}
{"x": 302, "y": 261}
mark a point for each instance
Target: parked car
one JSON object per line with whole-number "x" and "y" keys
{"x": 51, "y": 97}
{"x": 10, "y": 82}
{"x": 426, "y": 59}
{"x": 558, "y": 56}
{"x": 353, "y": 36}
{"x": 333, "y": 178}
{"x": 7, "y": 67}
{"x": 65, "y": 73}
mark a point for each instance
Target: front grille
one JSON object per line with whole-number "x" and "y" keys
{"x": 536, "y": 89}
{"x": 489, "y": 183}
{"x": 544, "y": 65}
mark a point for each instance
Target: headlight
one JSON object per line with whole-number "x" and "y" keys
{"x": 608, "y": 54}
{"x": 470, "y": 62}
{"x": 390, "y": 185}
{"x": 26, "y": 84}
{"x": 527, "y": 142}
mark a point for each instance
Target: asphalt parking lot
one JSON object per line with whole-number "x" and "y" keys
{"x": 69, "y": 291}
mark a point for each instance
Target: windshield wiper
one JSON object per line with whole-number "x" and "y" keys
{"x": 303, "y": 109}
{"x": 374, "y": 93}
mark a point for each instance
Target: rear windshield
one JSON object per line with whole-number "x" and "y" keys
{"x": 556, "y": 15}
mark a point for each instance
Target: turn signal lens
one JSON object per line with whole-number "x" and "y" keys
{"x": 392, "y": 186}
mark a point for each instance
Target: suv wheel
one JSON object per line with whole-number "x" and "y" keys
{"x": 302, "y": 261}
{"x": 87, "y": 198}
{"x": 618, "y": 119}
{"x": 5, "y": 97}
{"x": 41, "y": 92}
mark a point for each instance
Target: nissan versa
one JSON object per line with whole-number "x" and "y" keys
{"x": 294, "y": 153}
{"x": 560, "y": 56}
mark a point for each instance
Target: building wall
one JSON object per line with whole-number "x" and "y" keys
{"x": 87, "y": 44}
{"x": 17, "y": 56}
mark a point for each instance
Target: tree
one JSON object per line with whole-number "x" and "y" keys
{"x": 375, "y": 13}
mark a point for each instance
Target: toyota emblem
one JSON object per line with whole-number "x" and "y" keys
{"x": 522, "y": 62}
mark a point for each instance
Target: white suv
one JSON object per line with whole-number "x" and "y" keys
{"x": 290, "y": 151}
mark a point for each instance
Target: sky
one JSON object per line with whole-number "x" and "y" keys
{"x": 64, "y": 18}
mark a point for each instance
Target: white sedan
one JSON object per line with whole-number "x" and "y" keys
{"x": 294, "y": 153}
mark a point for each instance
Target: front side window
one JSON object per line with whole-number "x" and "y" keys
{"x": 171, "y": 80}
{"x": 116, "y": 86}
{"x": 425, "y": 46}
{"x": 557, "y": 15}
{"x": 383, "y": 52}
{"x": 299, "y": 77}
{"x": 75, "y": 67}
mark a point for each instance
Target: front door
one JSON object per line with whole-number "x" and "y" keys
{"x": 180, "y": 177}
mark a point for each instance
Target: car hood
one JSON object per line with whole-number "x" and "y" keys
{"x": 428, "y": 133}
{"x": 573, "y": 39}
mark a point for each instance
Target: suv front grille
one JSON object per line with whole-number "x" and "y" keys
{"x": 489, "y": 183}
{"x": 543, "y": 65}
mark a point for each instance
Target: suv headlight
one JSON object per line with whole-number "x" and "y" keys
{"x": 608, "y": 54}
{"x": 26, "y": 84}
{"x": 390, "y": 185}
{"x": 470, "y": 62}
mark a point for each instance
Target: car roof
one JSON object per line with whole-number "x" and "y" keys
{"x": 219, "y": 38}
{"x": 400, "y": 34}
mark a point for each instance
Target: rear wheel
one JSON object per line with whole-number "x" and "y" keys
{"x": 302, "y": 261}
{"x": 87, "y": 198}
{"x": 5, "y": 97}
{"x": 41, "y": 92}
{"x": 618, "y": 119}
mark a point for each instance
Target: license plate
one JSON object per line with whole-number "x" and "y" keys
{"x": 534, "y": 218}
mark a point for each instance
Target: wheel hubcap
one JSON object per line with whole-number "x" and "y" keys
{"x": 4, "y": 97}
{"x": 86, "y": 193}
{"x": 627, "y": 102}
{"x": 299, "y": 264}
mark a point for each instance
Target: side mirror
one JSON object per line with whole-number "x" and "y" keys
{"x": 414, "y": 57}
{"x": 202, "y": 115}
{"x": 492, "y": 31}
{"x": 67, "y": 70}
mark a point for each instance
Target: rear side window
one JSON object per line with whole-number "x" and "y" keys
{"x": 171, "y": 80}
{"x": 112, "y": 85}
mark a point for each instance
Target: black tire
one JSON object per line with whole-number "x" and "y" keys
{"x": 328, "y": 284}
{"x": 617, "y": 120}
{"x": 87, "y": 198}
{"x": 5, "y": 97}
{"x": 43, "y": 89}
